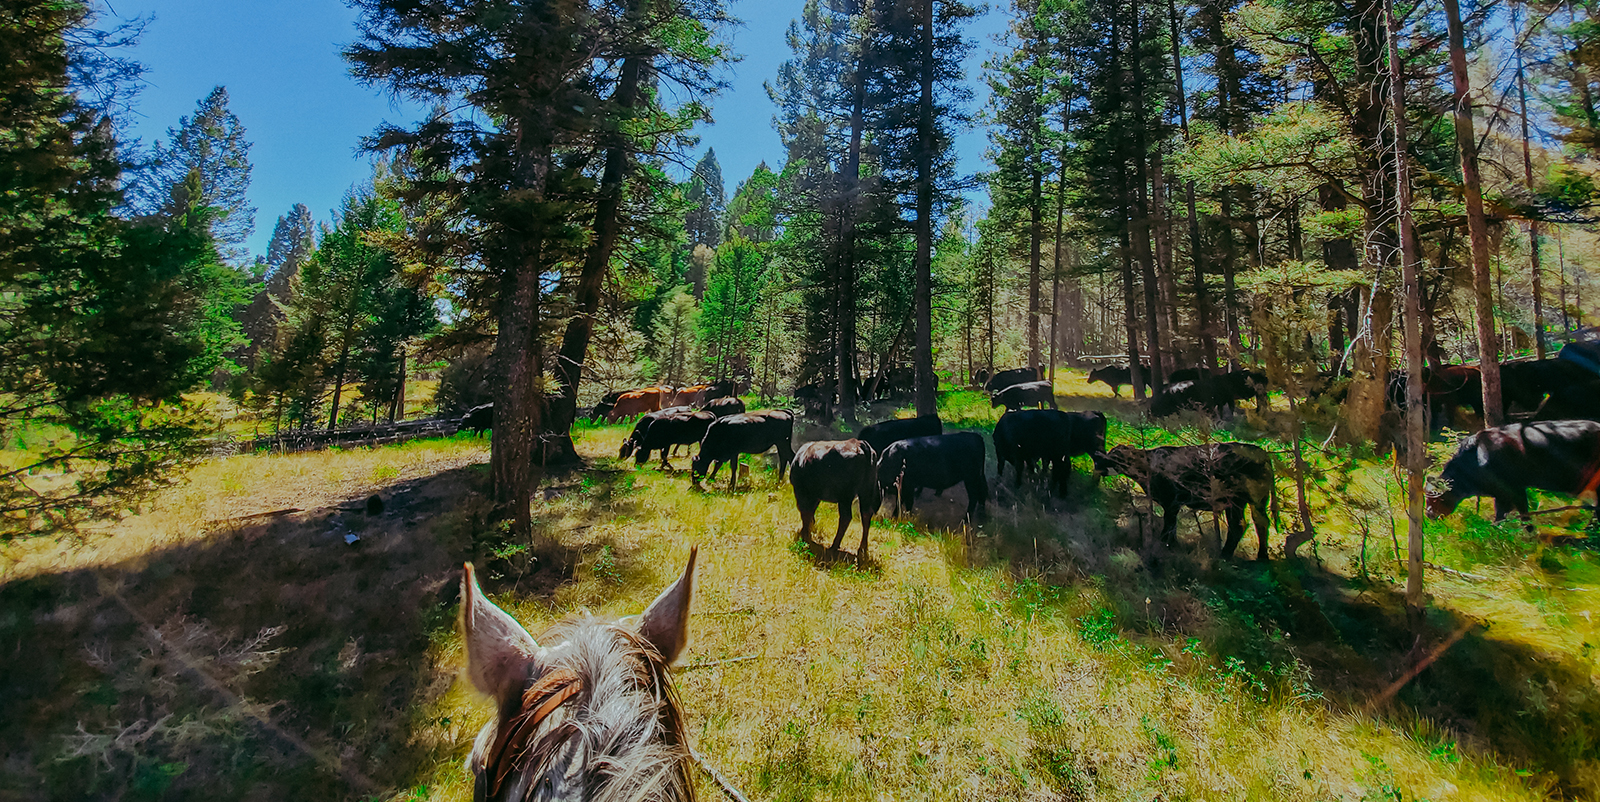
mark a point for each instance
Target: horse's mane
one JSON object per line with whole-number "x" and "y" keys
{"x": 601, "y": 722}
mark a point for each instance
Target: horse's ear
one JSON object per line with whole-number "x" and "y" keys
{"x": 665, "y": 623}
{"x": 500, "y": 653}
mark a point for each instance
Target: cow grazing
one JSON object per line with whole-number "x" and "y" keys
{"x": 1209, "y": 394}
{"x": 1006, "y": 378}
{"x": 642, "y": 426}
{"x": 840, "y": 472}
{"x": 937, "y": 463}
{"x": 1560, "y": 456}
{"x": 637, "y": 402}
{"x": 1026, "y": 394}
{"x": 1114, "y": 376}
{"x": 1028, "y": 439}
{"x": 1217, "y": 477}
{"x": 606, "y": 403}
{"x": 478, "y": 419}
{"x": 723, "y": 406}
{"x": 748, "y": 433}
{"x": 690, "y": 396}
{"x": 669, "y": 431}
{"x": 879, "y": 435}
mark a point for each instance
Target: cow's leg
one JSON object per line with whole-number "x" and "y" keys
{"x": 844, "y": 523}
{"x": 785, "y": 456}
{"x": 1063, "y": 473}
{"x": 866, "y": 527}
{"x": 1169, "y": 524}
{"x": 1235, "y": 531}
{"x": 908, "y": 497}
{"x": 808, "y": 514}
{"x": 1514, "y": 501}
{"x": 733, "y": 480}
{"x": 1258, "y": 512}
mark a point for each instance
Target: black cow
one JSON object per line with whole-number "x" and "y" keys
{"x": 1028, "y": 439}
{"x": 980, "y": 376}
{"x": 817, "y": 399}
{"x": 723, "y": 406}
{"x": 840, "y": 472}
{"x": 1006, "y": 378}
{"x": 1218, "y": 477}
{"x": 642, "y": 427}
{"x": 670, "y": 431}
{"x": 1525, "y": 384}
{"x": 605, "y": 405}
{"x": 1209, "y": 393}
{"x": 938, "y": 463}
{"x": 722, "y": 389}
{"x": 1026, "y": 394}
{"x": 748, "y": 433}
{"x": 1561, "y": 456}
{"x": 1114, "y": 376}
{"x": 881, "y": 434}
{"x": 478, "y": 419}
{"x": 1576, "y": 401}
{"x": 1186, "y": 375}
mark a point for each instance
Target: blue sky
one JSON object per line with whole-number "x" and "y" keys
{"x": 305, "y": 116}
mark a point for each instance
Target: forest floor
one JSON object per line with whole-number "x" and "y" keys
{"x": 256, "y": 635}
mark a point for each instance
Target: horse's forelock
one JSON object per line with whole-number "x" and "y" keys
{"x": 623, "y": 725}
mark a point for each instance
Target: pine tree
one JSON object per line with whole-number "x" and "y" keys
{"x": 293, "y": 239}
{"x": 921, "y": 97}
{"x": 212, "y": 144}
{"x": 706, "y": 195}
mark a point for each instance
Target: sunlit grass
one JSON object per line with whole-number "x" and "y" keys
{"x": 1005, "y": 661}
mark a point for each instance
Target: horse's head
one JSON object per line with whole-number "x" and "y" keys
{"x": 592, "y": 716}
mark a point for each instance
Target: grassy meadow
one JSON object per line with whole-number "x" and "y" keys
{"x": 255, "y": 634}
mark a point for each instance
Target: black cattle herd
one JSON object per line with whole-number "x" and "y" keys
{"x": 899, "y": 458}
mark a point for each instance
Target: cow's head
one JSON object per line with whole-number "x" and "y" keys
{"x": 994, "y": 400}
{"x": 1442, "y": 499}
{"x": 1130, "y": 462}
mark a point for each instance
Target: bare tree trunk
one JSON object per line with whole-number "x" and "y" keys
{"x": 1533, "y": 225}
{"x": 1477, "y": 226}
{"x": 1141, "y": 224}
{"x": 1035, "y": 269}
{"x": 1415, "y": 457}
{"x": 847, "y": 254}
{"x": 519, "y": 397}
{"x": 397, "y": 408}
{"x": 558, "y": 446}
{"x": 927, "y": 380}
{"x": 1202, "y": 304}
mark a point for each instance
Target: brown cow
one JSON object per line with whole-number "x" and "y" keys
{"x": 691, "y": 396}
{"x": 637, "y": 402}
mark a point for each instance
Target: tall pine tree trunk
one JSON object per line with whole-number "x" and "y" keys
{"x": 1533, "y": 225}
{"x": 558, "y": 446}
{"x": 1141, "y": 225}
{"x": 927, "y": 380}
{"x": 1416, "y": 456}
{"x": 519, "y": 397}
{"x": 1035, "y": 268}
{"x": 847, "y": 265}
{"x": 1477, "y": 226}
{"x": 1202, "y": 303}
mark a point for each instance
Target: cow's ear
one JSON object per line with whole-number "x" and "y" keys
{"x": 500, "y": 653}
{"x": 665, "y": 623}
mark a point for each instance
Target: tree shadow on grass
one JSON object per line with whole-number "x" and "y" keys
{"x": 1472, "y": 691}
{"x": 281, "y": 657}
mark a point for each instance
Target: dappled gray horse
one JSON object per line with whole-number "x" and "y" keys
{"x": 593, "y": 717}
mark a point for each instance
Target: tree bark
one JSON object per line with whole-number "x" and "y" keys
{"x": 1415, "y": 457}
{"x": 519, "y": 397}
{"x": 1141, "y": 210}
{"x": 927, "y": 380}
{"x": 1477, "y": 226}
{"x": 1533, "y": 225}
{"x": 586, "y": 298}
{"x": 1035, "y": 267}
{"x": 1202, "y": 303}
